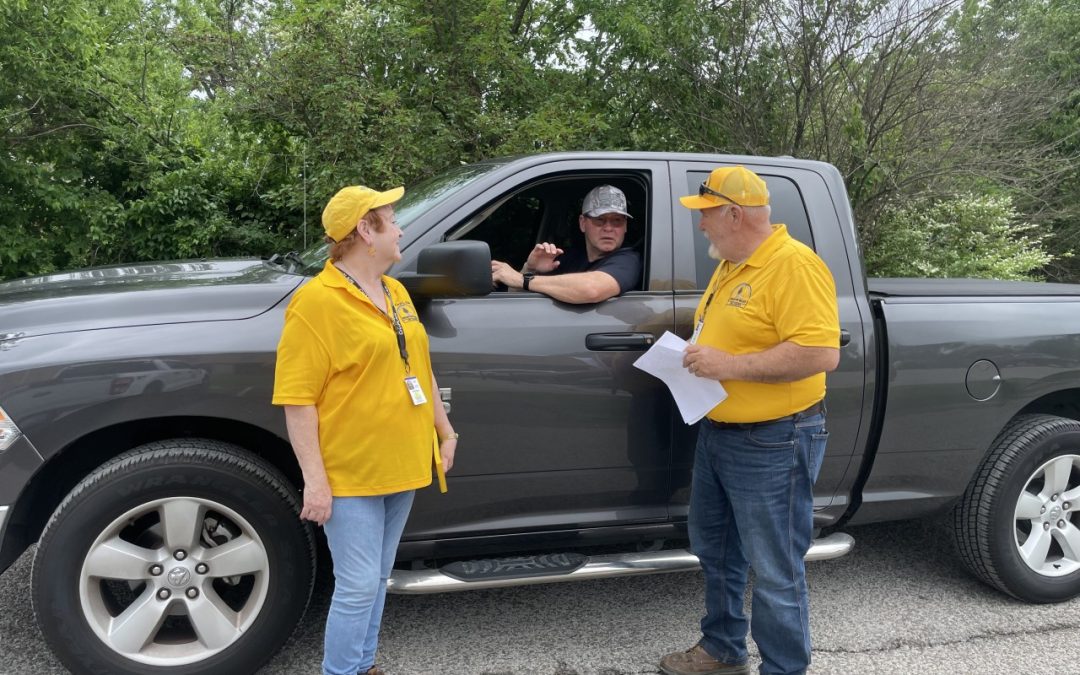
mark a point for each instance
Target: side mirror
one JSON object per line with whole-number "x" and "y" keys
{"x": 450, "y": 269}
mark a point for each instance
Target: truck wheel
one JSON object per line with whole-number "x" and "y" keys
{"x": 1017, "y": 525}
{"x": 180, "y": 557}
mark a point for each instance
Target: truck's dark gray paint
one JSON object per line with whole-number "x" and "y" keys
{"x": 934, "y": 433}
{"x": 561, "y": 445}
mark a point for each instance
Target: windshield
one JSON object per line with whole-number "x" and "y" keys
{"x": 418, "y": 200}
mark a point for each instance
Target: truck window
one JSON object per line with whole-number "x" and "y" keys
{"x": 512, "y": 228}
{"x": 418, "y": 199}
{"x": 787, "y": 208}
{"x": 547, "y": 211}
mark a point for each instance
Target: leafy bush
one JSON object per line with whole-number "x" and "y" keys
{"x": 966, "y": 236}
{"x": 135, "y": 130}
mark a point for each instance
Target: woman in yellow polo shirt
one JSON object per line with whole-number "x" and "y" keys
{"x": 354, "y": 375}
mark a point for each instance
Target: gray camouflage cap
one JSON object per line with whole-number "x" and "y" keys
{"x": 604, "y": 199}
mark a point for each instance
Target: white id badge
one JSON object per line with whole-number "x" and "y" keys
{"x": 417, "y": 394}
{"x": 697, "y": 331}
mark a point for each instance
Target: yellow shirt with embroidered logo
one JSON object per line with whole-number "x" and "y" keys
{"x": 781, "y": 293}
{"x": 339, "y": 352}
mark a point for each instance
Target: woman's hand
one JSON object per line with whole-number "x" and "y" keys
{"x": 317, "y": 503}
{"x": 303, "y": 424}
{"x": 447, "y": 448}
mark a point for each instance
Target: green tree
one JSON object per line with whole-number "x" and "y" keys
{"x": 971, "y": 237}
{"x": 1049, "y": 31}
{"x": 110, "y": 156}
{"x": 137, "y": 130}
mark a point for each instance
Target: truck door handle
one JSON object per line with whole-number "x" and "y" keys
{"x": 618, "y": 342}
{"x": 845, "y": 337}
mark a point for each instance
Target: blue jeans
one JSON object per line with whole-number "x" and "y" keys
{"x": 363, "y": 533}
{"x": 752, "y": 505}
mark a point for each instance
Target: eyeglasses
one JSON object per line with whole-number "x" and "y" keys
{"x": 613, "y": 221}
{"x": 704, "y": 189}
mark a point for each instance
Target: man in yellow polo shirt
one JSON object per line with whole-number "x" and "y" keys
{"x": 767, "y": 328}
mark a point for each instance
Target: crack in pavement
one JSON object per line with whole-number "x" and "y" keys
{"x": 989, "y": 635}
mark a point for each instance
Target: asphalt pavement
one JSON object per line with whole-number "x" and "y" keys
{"x": 899, "y": 603}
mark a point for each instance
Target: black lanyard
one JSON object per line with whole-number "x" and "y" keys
{"x": 398, "y": 330}
{"x": 708, "y": 301}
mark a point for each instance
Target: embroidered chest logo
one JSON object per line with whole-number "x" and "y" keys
{"x": 740, "y": 296}
{"x": 405, "y": 312}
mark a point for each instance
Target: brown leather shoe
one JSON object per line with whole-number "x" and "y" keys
{"x": 375, "y": 670}
{"x": 696, "y": 661}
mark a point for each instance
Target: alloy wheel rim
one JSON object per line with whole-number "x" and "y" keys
{"x": 1046, "y": 527}
{"x": 174, "y": 581}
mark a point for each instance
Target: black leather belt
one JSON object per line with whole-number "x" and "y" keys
{"x": 816, "y": 409}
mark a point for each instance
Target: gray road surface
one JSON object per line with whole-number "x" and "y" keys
{"x": 900, "y": 603}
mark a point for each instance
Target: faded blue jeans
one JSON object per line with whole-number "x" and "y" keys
{"x": 363, "y": 533}
{"x": 751, "y": 505}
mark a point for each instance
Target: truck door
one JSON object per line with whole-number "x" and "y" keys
{"x": 800, "y": 200}
{"x": 558, "y": 430}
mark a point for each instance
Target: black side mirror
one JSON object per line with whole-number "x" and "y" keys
{"x": 450, "y": 269}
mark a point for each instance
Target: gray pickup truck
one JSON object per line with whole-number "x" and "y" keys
{"x": 139, "y": 448}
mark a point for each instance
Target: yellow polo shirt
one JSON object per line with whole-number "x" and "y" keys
{"x": 339, "y": 353}
{"x": 782, "y": 293}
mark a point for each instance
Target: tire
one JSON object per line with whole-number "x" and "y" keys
{"x": 180, "y": 557}
{"x": 1017, "y": 525}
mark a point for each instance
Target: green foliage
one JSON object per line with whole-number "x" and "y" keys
{"x": 137, "y": 130}
{"x": 969, "y": 236}
{"x": 1050, "y": 33}
{"x": 109, "y": 156}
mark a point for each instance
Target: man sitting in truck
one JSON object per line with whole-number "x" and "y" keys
{"x": 599, "y": 270}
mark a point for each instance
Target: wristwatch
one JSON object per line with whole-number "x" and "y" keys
{"x": 525, "y": 279}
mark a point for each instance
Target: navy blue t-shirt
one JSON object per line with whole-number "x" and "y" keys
{"x": 623, "y": 264}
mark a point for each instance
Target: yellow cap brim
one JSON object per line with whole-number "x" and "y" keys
{"x": 702, "y": 201}
{"x": 388, "y": 197}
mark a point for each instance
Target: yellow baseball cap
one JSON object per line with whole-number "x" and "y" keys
{"x": 729, "y": 185}
{"x": 345, "y": 209}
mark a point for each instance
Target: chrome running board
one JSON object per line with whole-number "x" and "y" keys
{"x": 417, "y": 582}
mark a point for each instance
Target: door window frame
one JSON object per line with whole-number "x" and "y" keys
{"x": 657, "y": 246}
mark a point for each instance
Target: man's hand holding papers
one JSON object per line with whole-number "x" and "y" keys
{"x": 695, "y": 396}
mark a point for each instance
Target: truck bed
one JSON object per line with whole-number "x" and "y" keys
{"x": 900, "y": 288}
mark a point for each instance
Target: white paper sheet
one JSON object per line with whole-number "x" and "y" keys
{"x": 695, "y": 396}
